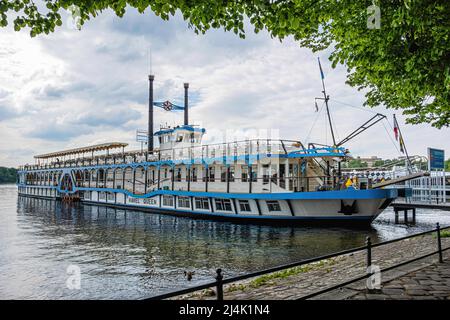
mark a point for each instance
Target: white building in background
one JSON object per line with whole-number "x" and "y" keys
{"x": 432, "y": 189}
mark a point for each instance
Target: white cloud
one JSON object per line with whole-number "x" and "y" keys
{"x": 74, "y": 88}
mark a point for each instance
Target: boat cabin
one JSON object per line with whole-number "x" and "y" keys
{"x": 179, "y": 137}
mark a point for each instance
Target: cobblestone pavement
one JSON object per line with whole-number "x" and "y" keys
{"x": 428, "y": 283}
{"x": 317, "y": 276}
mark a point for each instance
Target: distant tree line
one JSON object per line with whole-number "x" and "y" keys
{"x": 8, "y": 175}
{"x": 358, "y": 163}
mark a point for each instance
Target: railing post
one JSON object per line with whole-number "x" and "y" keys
{"x": 369, "y": 252}
{"x": 219, "y": 279}
{"x": 438, "y": 229}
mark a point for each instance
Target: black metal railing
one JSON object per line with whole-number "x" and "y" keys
{"x": 220, "y": 281}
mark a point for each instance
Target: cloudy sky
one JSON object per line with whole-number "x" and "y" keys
{"x": 75, "y": 88}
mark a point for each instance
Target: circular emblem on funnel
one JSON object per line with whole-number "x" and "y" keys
{"x": 167, "y": 105}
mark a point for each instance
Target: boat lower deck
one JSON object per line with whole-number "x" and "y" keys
{"x": 326, "y": 207}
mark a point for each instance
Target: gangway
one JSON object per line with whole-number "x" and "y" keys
{"x": 400, "y": 179}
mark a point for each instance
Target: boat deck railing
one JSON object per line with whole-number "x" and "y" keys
{"x": 114, "y": 179}
{"x": 226, "y": 151}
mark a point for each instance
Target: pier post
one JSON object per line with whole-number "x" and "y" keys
{"x": 219, "y": 279}
{"x": 405, "y": 213}
{"x": 396, "y": 215}
{"x": 369, "y": 251}
{"x": 438, "y": 230}
{"x": 369, "y": 262}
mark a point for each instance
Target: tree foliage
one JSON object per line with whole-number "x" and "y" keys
{"x": 355, "y": 163}
{"x": 404, "y": 65}
{"x": 8, "y": 175}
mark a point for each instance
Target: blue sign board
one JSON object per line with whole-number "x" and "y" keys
{"x": 436, "y": 159}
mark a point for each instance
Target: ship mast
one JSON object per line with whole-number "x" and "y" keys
{"x": 151, "y": 78}
{"x": 326, "y": 98}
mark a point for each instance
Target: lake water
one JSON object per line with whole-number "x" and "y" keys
{"x": 126, "y": 254}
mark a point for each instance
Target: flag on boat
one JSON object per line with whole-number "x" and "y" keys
{"x": 402, "y": 144}
{"x": 395, "y": 128}
{"x": 398, "y": 135}
{"x": 168, "y": 106}
{"x": 320, "y": 67}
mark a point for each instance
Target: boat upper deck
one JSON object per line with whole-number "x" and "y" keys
{"x": 247, "y": 150}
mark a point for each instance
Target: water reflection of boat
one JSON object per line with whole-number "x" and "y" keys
{"x": 111, "y": 234}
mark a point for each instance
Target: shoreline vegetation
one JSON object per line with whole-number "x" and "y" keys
{"x": 8, "y": 175}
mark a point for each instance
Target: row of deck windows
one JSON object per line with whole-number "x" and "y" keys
{"x": 202, "y": 203}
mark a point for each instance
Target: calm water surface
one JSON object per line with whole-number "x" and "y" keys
{"x": 125, "y": 254}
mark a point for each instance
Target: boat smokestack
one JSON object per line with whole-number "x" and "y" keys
{"x": 150, "y": 113}
{"x": 186, "y": 109}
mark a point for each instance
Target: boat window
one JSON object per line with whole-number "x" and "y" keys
{"x": 223, "y": 204}
{"x": 223, "y": 174}
{"x": 184, "y": 202}
{"x": 178, "y": 175}
{"x": 194, "y": 174}
{"x": 274, "y": 174}
{"x": 244, "y": 206}
{"x": 265, "y": 169}
{"x": 244, "y": 173}
{"x": 179, "y": 138}
{"x": 168, "y": 200}
{"x": 273, "y": 206}
{"x": 212, "y": 174}
{"x": 231, "y": 174}
{"x": 202, "y": 203}
{"x": 192, "y": 138}
{"x": 255, "y": 175}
